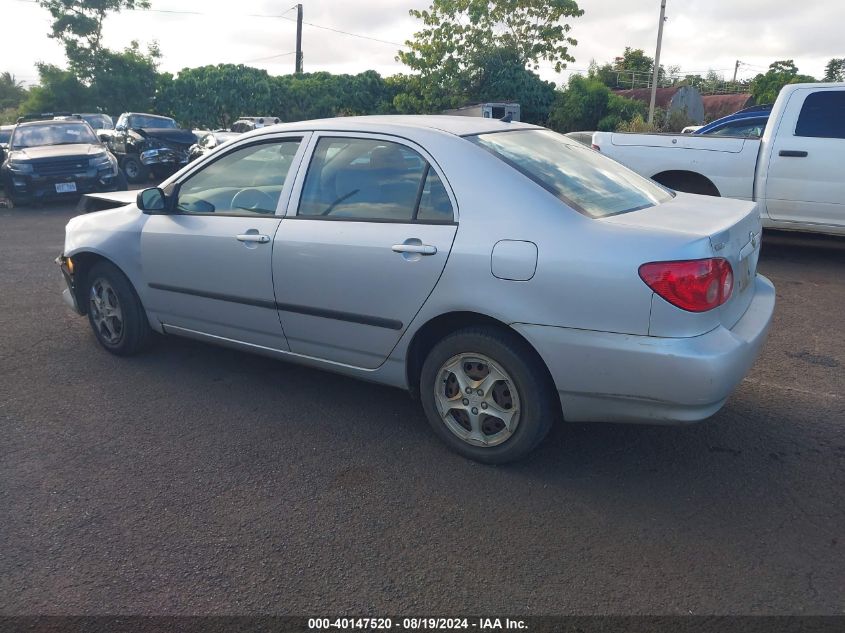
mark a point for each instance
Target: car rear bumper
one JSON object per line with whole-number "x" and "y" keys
{"x": 607, "y": 377}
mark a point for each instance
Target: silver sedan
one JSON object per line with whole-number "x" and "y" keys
{"x": 503, "y": 274}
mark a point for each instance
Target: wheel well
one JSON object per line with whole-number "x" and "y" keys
{"x": 687, "y": 181}
{"x": 441, "y": 326}
{"x": 82, "y": 263}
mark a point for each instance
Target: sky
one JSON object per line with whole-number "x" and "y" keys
{"x": 699, "y": 35}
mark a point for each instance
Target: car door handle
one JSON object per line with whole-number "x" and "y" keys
{"x": 794, "y": 153}
{"x": 253, "y": 237}
{"x": 419, "y": 249}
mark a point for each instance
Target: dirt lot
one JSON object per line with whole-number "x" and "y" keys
{"x": 201, "y": 480}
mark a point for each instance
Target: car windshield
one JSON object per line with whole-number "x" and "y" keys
{"x": 52, "y": 134}
{"x": 584, "y": 179}
{"x": 143, "y": 120}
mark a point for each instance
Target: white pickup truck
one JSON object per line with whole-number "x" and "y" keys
{"x": 796, "y": 171}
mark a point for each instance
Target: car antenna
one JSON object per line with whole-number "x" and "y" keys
{"x": 508, "y": 118}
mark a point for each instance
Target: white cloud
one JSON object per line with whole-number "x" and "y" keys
{"x": 699, "y": 34}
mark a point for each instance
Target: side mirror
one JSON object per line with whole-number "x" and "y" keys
{"x": 152, "y": 201}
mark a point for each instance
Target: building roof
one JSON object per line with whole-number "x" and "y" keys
{"x": 717, "y": 106}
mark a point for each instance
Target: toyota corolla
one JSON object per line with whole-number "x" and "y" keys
{"x": 505, "y": 275}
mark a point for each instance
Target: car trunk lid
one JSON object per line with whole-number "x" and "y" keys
{"x": 732, "y": 227}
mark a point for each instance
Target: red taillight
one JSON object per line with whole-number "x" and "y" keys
{"x": 695, "y": 285}
{"x": 596, "y": 147}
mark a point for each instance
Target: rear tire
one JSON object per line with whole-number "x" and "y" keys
{"x": 115, "y": 311}
{"x": 135, "y": 170}
{"x": 510, "y": 404}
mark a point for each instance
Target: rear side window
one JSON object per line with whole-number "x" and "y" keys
{"x": 587, "y": 181}
{"x": 822, "y": 115}
{"x": 371, "y": 179}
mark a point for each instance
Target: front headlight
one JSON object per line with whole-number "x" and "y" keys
{"x": 100, "y": 159}
{"x": 21, "y": 167}
{"x": 153, "y": 143}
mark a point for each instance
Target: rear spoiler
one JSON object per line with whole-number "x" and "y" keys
{"x": 91, "y": 202}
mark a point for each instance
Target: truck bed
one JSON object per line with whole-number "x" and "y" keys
{"x": 727, "y": 162}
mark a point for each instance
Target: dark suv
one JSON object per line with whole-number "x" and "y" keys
{"x": 50, "y": 159}
{"x": 148, "y": 142}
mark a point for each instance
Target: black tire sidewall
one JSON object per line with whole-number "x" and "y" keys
{"x": 532, "y": 384}
{"x": 136, "y": 329}
{"x": 142, "y": 172}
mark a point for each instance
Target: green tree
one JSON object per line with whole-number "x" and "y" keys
{"x": 78, "y": 25}
{"x": 632, "y": 69}
{"x": 58, "y": 89}
{"x": 588, "y": 104}
{"x": 765, "y": 87}
{"x": 501, "y": 76}
{"x": 215, "y": 96}
{"x": 458, "y": 35}
{"x": 126, "y": 81}
{"x": 12, "y": 92}
{"x": 835, "y": 70}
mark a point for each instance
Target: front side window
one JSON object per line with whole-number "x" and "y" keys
{"x": 587, "y": 181}
{"x": 822, "y": 115}
{"x": 370, "y": 179}
{"x": 247, "y": 181}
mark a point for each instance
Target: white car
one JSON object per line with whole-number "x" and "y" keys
{"x": 794, "y": 172}
{"x": 504, "y": 274}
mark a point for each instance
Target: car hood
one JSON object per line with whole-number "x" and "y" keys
{"x": 55, "y": 151}
{"x": 169, "y": 135}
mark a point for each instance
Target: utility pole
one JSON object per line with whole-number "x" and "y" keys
{"x": 736, "y": 68}
{"x": 657, "y": 61}
{"x": 299, "y": 39}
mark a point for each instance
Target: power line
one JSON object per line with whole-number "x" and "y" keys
{"x": 261, "y": 59}
{"x": 280, "y": 16}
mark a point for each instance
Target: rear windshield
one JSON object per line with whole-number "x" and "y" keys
{"x": 52, "y": 134}
{"x": 585, "y": 180}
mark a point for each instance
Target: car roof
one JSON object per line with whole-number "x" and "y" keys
{"x": 396, "y": 124}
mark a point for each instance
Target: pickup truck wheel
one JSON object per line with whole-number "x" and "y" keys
{"x": 135, "y": 170}
{"x": 115, "y": 311}
{"x": 487, "y": 395}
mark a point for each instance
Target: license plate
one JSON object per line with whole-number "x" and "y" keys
{"x": 65, "y": 187}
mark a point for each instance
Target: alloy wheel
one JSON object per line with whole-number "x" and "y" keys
{"x": 477, "y": 399}
{"x": 106, "y": 312}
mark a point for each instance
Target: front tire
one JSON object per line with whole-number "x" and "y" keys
{"x": 135, "y": 170}
{"x": 115, "y": 311}
{"x": 487, "y": 395}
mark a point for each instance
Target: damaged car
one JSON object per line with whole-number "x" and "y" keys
{"x": 57, "y": 159}
{"x": 145, "y": 143}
